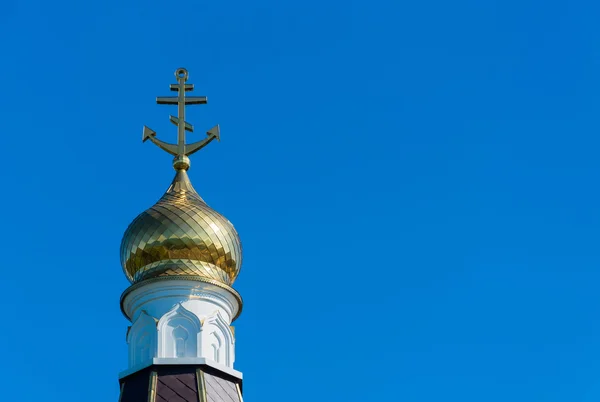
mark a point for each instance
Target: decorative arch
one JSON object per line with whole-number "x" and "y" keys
{"x": 217, "y": 340}
{"x": 141, "y": 338}
{"x": 178, "y": 332}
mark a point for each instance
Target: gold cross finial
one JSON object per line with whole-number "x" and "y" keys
{"x": 181, "y": 150}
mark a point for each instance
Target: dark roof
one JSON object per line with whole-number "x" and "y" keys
{"x": 180, "y": 383}
{"x": 220, "y": 390}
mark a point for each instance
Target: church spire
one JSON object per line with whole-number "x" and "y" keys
{"x": 181, "y": 257}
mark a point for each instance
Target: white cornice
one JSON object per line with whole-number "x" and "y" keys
{"x": 181, "y": 361}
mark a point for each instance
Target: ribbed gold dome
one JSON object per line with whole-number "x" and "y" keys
{"x": 181, "y": 236}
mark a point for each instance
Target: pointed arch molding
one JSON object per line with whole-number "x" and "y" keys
{"x": 142, "y": 339}
{"x": 181, "y": 320}
{"x": 217, "y": 340}
{"x": 178, "y": 333}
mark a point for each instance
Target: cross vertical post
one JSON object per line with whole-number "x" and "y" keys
{"x": 181, "y": 79}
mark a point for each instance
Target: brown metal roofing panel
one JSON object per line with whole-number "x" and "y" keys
{"x": 179, "y": 383}
{"x": 135, "y": 388}
{"x": 180, "y": 387}
{"x": 220, "y": 390}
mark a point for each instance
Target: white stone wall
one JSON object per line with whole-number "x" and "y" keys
{"x": 180, "y": 319}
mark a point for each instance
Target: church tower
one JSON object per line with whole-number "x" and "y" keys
{"x": 181, "y": 257}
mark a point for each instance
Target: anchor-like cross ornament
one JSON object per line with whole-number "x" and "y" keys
{"x": 181, "y": 150}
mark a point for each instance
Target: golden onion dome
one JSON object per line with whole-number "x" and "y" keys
{"x": 181, "y": 236}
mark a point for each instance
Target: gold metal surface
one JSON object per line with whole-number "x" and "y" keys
{"x": 201, "y": 385}
{"x": 181, "y": 236}
{"x": 181, "y": 150}
{"x": 152, "y": 387}
{"x": 239, "y": 390}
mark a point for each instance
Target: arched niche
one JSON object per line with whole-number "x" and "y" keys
{"x": 178, "y": 333}
{"x": 141, "y": 338}
{"x": 218, "y": 340}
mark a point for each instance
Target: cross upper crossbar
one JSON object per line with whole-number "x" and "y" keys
{"x": 189, "y": 100}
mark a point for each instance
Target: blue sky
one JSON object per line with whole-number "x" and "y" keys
{"x": 415, "y": 185}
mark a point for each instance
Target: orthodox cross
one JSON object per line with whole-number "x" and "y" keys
{"x": 181, "y": 150}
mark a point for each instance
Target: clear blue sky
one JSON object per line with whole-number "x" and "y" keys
{"x": 415, "y": 184}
